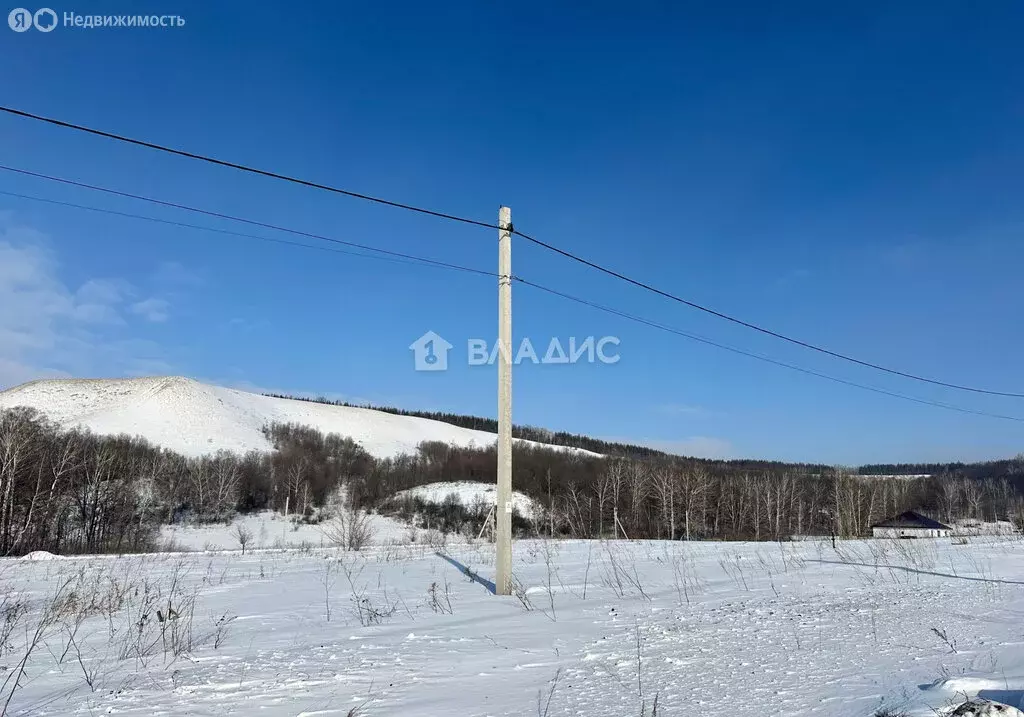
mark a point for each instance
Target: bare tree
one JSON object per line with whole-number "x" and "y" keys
{"x": 971, "y": 490}
{"x": 64, "y": 459}
{"x": 638, "y": 481}
{"x": 665, "y": 481}
{"x": 603, "y": 488}
{"x": 297, "y": 480}
{"x": 224, "y": 477}
{"x": 694, "y": 487}
{"x": 615, "y": 477}
{"x": 17, "y": 453}
{"x": 242, "y": 535}
{"x": 199, "y": 484}
{"x": 350, "y": 528}
{"x": 949, "y": 497}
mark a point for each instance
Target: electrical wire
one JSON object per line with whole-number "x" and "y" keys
{"x": 759, "y": 357}
{"x": 538, "y": 242}
{"x": 244, "y": 168}
{"x": 761, "y": 329}
{"x": 422, "y": 261}
{"x": 221, "y": 215}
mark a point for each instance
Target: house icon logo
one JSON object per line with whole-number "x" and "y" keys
{"x": 431, "y": 352}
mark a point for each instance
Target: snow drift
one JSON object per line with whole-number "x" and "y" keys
{"x": 469, "y": 493}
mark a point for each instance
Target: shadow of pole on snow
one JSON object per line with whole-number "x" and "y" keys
{"x": 467, "y": 572}
{"x": 883, "y": 566}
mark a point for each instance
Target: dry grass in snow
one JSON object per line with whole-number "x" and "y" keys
{"x": 595, "y": 628}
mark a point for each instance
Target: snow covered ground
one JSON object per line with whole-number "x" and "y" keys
{"x": 271, "y": 530}
{"x": 194, "y": 418}
{"x": 469, "y": 493}
{"x": 598, "y": 628}
{"x": 969, "y": 527}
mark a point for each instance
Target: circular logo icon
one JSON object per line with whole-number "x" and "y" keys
{"x": 19, "y": 19}
{"x": 45, "y": 19}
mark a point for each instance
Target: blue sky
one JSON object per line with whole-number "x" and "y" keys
{"x": 850, "y": 175}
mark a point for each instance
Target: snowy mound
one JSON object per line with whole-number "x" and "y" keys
{"x": 979, "y": 707}
{"x": 40, "y": 555}
{"x": 982, "y": 527}
{"x": 268, "y": 529}
{"x": 974, "y": 696}
{"x": 468, "y": 493}
{"x": 195, "y": 418}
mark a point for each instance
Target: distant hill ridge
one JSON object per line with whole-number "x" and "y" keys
{"x": 490, "y": 425}
{"x": 194, "y": 418}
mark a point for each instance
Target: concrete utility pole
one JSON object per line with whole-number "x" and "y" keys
{"x": 503, "y": 507}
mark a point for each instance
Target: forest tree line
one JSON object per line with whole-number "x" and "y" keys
{"x": 987, "y": 469}
{"x": 490, "y": 425}
{"x": 1010, "y": 468}
{"x": 68, "y": 491}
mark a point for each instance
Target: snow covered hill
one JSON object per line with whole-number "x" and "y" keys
{"x": 194, "y": 418}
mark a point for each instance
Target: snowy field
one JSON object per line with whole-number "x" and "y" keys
{"x": 597, "y": 628}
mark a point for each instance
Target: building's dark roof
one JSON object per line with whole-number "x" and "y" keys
{"x": 910, "y": 519}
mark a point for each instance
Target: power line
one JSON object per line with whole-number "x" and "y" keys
{"x": 220, "y": 215}
{"x": 423, "y": 261}
{"x": 546, "y": 245}
{"x": 761, "y": 329}
{"x": 245, "y": 168}
{"x": 760, "y": 357}
{"x": 411, "y": 261}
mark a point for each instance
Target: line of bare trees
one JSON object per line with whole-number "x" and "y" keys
{"x": 70, "y": 491}
{"x": 674, "y": 500}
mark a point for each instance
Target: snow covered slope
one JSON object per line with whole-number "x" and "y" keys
{"x": 194, "y": 418}
{"x": 470, "y": 492}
